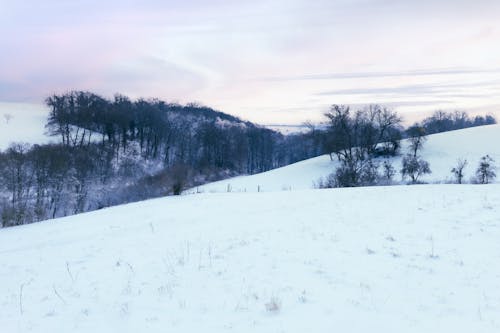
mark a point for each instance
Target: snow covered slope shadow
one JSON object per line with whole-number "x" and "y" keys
{"x": 421, "y": 259}
{"x": 440, "y": 150}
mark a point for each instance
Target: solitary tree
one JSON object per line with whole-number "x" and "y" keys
{"x": 414, "y": 167}
{"x": 7, "y": 117}
{"x": 416, "y": 137}
{"x": 458, "y": 170}
{"x": 485, "y": 172}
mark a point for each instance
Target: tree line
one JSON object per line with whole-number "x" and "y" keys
{"x": 190, "y": 134}
{"x": 118, "y": 150}
{"x": 441, "y": 121}
{"x": 112, "y": 151}
{"x": 358, "y": 137}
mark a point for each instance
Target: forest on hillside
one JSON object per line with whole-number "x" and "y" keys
{"x": 114, "y": 151}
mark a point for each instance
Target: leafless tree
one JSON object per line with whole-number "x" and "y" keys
{"x": 8, "y": 117}
{"x": 458, "y": 170}
{"x": 414, "y": 167}
{"x": 388, "y": 171}
{"x": 485, "y": 172}
{"x": 416, "y": 136}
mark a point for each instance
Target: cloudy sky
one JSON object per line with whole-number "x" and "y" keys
{"x": 280, "y": 61}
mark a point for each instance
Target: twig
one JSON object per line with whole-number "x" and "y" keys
{"x": 130, "y": 267}
{"x": 21, "y": 309}
{"x": 69, "y": 272}
{"x": 21, "y": 299}
{"x": 57, "y": 294}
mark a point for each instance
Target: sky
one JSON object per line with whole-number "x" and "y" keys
{"x": 271, "y": 62}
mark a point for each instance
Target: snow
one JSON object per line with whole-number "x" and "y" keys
{"x": 288, "y": 129}
{"x": 26, "y": 124}
{"x": 440, "y": 150}
{"x": 288, "y": 259}
{"x": 382, "y": 259}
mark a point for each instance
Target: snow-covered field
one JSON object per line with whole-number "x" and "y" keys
{"x": 289, "y": 259}
{"x": 22, "y": 123}
{"x": 381, "y": 259}
{"x": 440, "y": 150}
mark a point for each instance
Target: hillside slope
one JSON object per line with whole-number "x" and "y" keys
{"x": 423, "y": 259}
{"x": 24, "y": 123}
{"x": 440, "y": 150}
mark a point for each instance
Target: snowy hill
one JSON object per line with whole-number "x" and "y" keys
{"x": 440, "y": 150}
{"x": 380, "y": 259}
{"x": 292, "y": 259}
{"x": 22, "y": 123}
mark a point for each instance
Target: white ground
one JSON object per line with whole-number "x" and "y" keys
{"x": 440, "y": 150}
{"x": 26, "y": 124}
{"x": 381, "y": 259}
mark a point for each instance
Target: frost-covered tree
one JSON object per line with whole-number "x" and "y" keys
{"x": 16, "y": 177}
{"x": 370, "y": 174}
{"x": 485, "y": 172}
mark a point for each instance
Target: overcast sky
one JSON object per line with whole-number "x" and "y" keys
{"x": 267, "y": 61}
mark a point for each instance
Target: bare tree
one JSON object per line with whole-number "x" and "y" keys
{"x": 8, "y": 117}
{"x": 458, "y": 170}
{"x": 388, "y": 127}
{"x": 354, "y": 139}
{"x": 179, "y": 174}
{"x": 416, "y": 137}
{"x": 414, "y": 167}
{"x": 485, "y": 172}
{"x": 17, "y": 176}
{"x": 388, "y": 171}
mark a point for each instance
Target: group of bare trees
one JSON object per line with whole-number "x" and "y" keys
{"x": 441, "y": 121}
{"x": 119, "y": 150}
{"x": 40, "y": 182}
{"x": 485, "y": 172}
{"x": 190, "y": 134}
{"x": 356, "y": 138}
